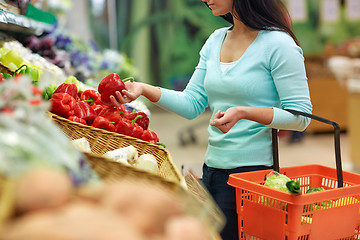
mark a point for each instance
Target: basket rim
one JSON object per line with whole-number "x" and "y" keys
{"x": 104, "y": 131}
{"x": 133, "y": 169}
{"x": 242, "y": 181}
{"x": 114, "y": 134}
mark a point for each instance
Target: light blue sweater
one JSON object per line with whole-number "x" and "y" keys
{"x": 270, "y": 73}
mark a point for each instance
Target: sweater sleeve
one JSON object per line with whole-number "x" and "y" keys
{"x": 288, "y": 72}
{"x": 192, "y": 101}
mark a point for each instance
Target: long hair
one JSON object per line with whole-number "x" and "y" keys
{"x": 262, "y": 15}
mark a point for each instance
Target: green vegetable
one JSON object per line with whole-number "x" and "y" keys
{"x": 293, "y": 187}
{"x": 317, "y": 189}
{"x": 32, "y": 72}
{"x": 320, "y": 205}
{"x": 277, "y": 181}
{"x": 73, "y": 80}
{"x": 48, "y": 91}
{"x": 6, "y": 75}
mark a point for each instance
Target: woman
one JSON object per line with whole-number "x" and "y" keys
{"x": 248, "y": 74}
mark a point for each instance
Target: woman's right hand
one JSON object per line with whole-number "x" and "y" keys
{"x": 132, "y": 92}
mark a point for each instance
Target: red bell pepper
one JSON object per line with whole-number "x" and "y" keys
{"x": 36, "y": 91}
{"x": 79, "y": 94}
{"x": 70, "y": 89}
{"x": 143, "y": 120}
{"x": 97, "y": 108}
{"x": 77, "y": 119}
{"x": 109, "y": 85}
{"x": 103, "y": 123}
{"x": 149, "y": 136}
{"x": 129, "y": 128}
{"x": 84, "y": 111}
{"x": 110, "y": 77}
{"x": 90, "y": 96}
{"x": 62, "y": 104}
{"x": 123, "y": 111}
{"x": 124, "y": 127}
{"x": 112, "y": 113}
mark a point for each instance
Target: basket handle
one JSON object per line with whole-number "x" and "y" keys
{"x": 275, "y": 144}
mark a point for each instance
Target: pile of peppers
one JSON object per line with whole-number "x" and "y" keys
{"x": 91, "y": 108}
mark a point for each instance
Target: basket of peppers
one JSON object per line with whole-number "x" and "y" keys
{"x": 90, "y": 114}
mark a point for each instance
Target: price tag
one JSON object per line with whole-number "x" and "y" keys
{"x": 330, "y": 10}
{"x": 297, "y": 10}
{"x": 353, "y": 9}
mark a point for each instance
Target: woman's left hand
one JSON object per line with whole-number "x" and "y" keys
{"x": 224, "y": 121}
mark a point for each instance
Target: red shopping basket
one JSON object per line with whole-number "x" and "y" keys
{"x": 269, "y": 214}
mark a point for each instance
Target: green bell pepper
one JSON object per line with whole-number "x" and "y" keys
{"x": 316, "y": 189}
{"x": 32, "y": 72}
{"x": 293, "y": 187}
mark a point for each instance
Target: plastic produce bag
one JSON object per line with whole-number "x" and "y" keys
{"x": 277, "y": 181}
{"x": 29, "y": 138}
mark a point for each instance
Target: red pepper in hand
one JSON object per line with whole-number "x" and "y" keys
{"x": 77, "y": 119}
{"x": 103, "y": 123}
{"x": 149, "y": 136}
{"x": 143, "y": 120}
{"x": 84, "y": 111}
{"x": 129, "y": 128}
{"x": 109, "y": 85}
{"x": 112, "y": 113}
{"x": 90, "y": 96}
{"x": 62, "y": 104}
{"x": 70, "y": 89}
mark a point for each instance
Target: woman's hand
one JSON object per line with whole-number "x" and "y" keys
{"x": 224, "y": 121}
{"x": 132, "y": 92}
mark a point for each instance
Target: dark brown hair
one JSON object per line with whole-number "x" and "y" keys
{"x": 262, "y": 15}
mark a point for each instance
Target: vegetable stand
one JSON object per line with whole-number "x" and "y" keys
{"x": 271, "y": 214}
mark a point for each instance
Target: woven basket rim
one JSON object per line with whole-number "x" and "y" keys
{"x": 114, "y": 134}
{"x": 92, "y": 156}
{"x": 105, "y": 131}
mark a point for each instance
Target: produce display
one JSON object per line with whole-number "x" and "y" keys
{"x": 130, "y": 156}
{"x": 126, "y": 155}
{"x": 30, "y": 139}
{"x": 93, "y": 108}
{"x": 77, "y": 57}
{"x": 48, "y": 206}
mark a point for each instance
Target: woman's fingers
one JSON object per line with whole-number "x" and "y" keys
{"x": 216, "y": 119}
{"x": 119, "y": 98}
{"x": 221, "y": 122}
{"x": 129, "y": 95}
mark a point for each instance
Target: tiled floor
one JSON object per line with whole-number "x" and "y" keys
{"x": 172, "y": 129}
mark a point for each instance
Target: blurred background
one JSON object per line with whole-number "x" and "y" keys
{"x": 158, "y": 42}
{"x": 163, "y": 39}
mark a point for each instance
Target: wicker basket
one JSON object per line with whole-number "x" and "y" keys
{"x": 102, "y": 141}
{"x": 109, "y": 171}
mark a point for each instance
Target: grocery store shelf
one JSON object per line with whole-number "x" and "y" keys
{"x": 15, "y": 23}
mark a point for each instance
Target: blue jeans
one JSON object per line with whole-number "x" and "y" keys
{"x": 215, "y": 180}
